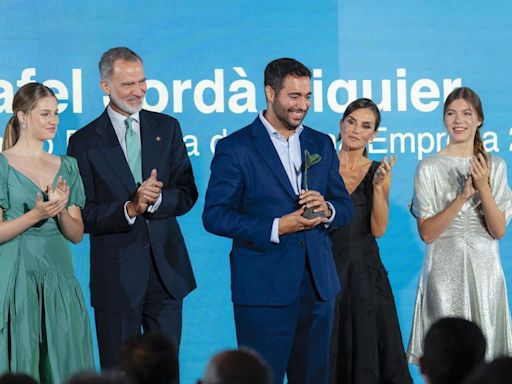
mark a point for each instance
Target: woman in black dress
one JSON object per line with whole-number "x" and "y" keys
{"x": 366, "y": 341}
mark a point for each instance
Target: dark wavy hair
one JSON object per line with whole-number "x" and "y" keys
{"x": 362, "y": 103}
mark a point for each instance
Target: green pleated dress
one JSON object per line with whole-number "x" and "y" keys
{"x": 44, "y": 325}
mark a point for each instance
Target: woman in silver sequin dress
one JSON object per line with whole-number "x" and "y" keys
{"x": 462, "y": 203}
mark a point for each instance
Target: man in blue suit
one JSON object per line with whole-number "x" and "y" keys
{"x": 137, "y": 179}
{"x": 283, "y": 276}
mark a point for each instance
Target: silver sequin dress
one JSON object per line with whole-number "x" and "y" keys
{"x": 462, "y": 274}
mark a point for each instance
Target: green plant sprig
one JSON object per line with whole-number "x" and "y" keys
{"x": 310, "y": 160}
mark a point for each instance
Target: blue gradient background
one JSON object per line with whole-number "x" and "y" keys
{"x": 346, "y": 40}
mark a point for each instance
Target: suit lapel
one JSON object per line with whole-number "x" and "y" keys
{"x": 151, "y": 143}
{"x": 268, "y": 153}
{"x": 110, "y": 149}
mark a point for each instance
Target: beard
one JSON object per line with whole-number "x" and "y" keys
{"x": 284, "y": 115}
{"x": 123, "y": 105}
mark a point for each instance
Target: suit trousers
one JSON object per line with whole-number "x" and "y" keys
{"x": 292, "y": 339}
{"x": 159, "y": 312}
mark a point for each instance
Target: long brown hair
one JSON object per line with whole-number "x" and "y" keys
{"x": 470, "y": 96}
{"x": 24, "y": 101}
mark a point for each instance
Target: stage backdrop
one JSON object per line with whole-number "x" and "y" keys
{"x": 204, "y": 62}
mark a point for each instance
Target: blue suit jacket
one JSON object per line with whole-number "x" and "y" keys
{"x": 248, "y": 188}
{"x": 120, "y": 252}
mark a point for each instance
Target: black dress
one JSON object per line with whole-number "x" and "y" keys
{"x": 366, "y": 340}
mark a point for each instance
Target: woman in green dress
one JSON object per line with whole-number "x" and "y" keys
{"x": 44, "y": 326}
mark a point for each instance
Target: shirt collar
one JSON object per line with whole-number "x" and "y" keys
{"x": 272, "y": 131}
{"x": 118, "y": 119}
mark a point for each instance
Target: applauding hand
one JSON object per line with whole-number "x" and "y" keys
{"x": 57, "y": 200}
{"x": 479, "y": 171}
{"x": 384, "y": 170}
{"x": 61, "y": 191}
{"x": 147, "y": 194}
{"x": 151, "y": 188}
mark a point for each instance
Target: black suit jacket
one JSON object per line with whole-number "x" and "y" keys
{"x": 120, "y": 252}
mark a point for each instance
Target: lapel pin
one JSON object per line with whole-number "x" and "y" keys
{"x": 158, "y": 138}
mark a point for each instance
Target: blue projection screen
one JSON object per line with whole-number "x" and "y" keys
{"x": 204, "y": 63}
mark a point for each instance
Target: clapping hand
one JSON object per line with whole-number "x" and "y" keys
{"x": 146, "y": 194}
{"x": 57, "y": 200}
{"x": 61, "y": 190}
{"x": 469, "y": 189}
{"x": 151, "y": 188}
{"x": 479, "y": 171}
{"x": 384, "y": 170}
{"x": 478, "y": 176}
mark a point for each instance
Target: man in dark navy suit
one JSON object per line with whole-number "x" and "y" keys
{"x": 137, "y": 179}
{"x": 283, "y": 276}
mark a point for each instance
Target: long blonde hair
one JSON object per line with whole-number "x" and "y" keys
{"x": 24, "y": 101}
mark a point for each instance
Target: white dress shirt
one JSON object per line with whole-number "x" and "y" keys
{"x": 118, "y": 122}
{"x": 290, "y": 153}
